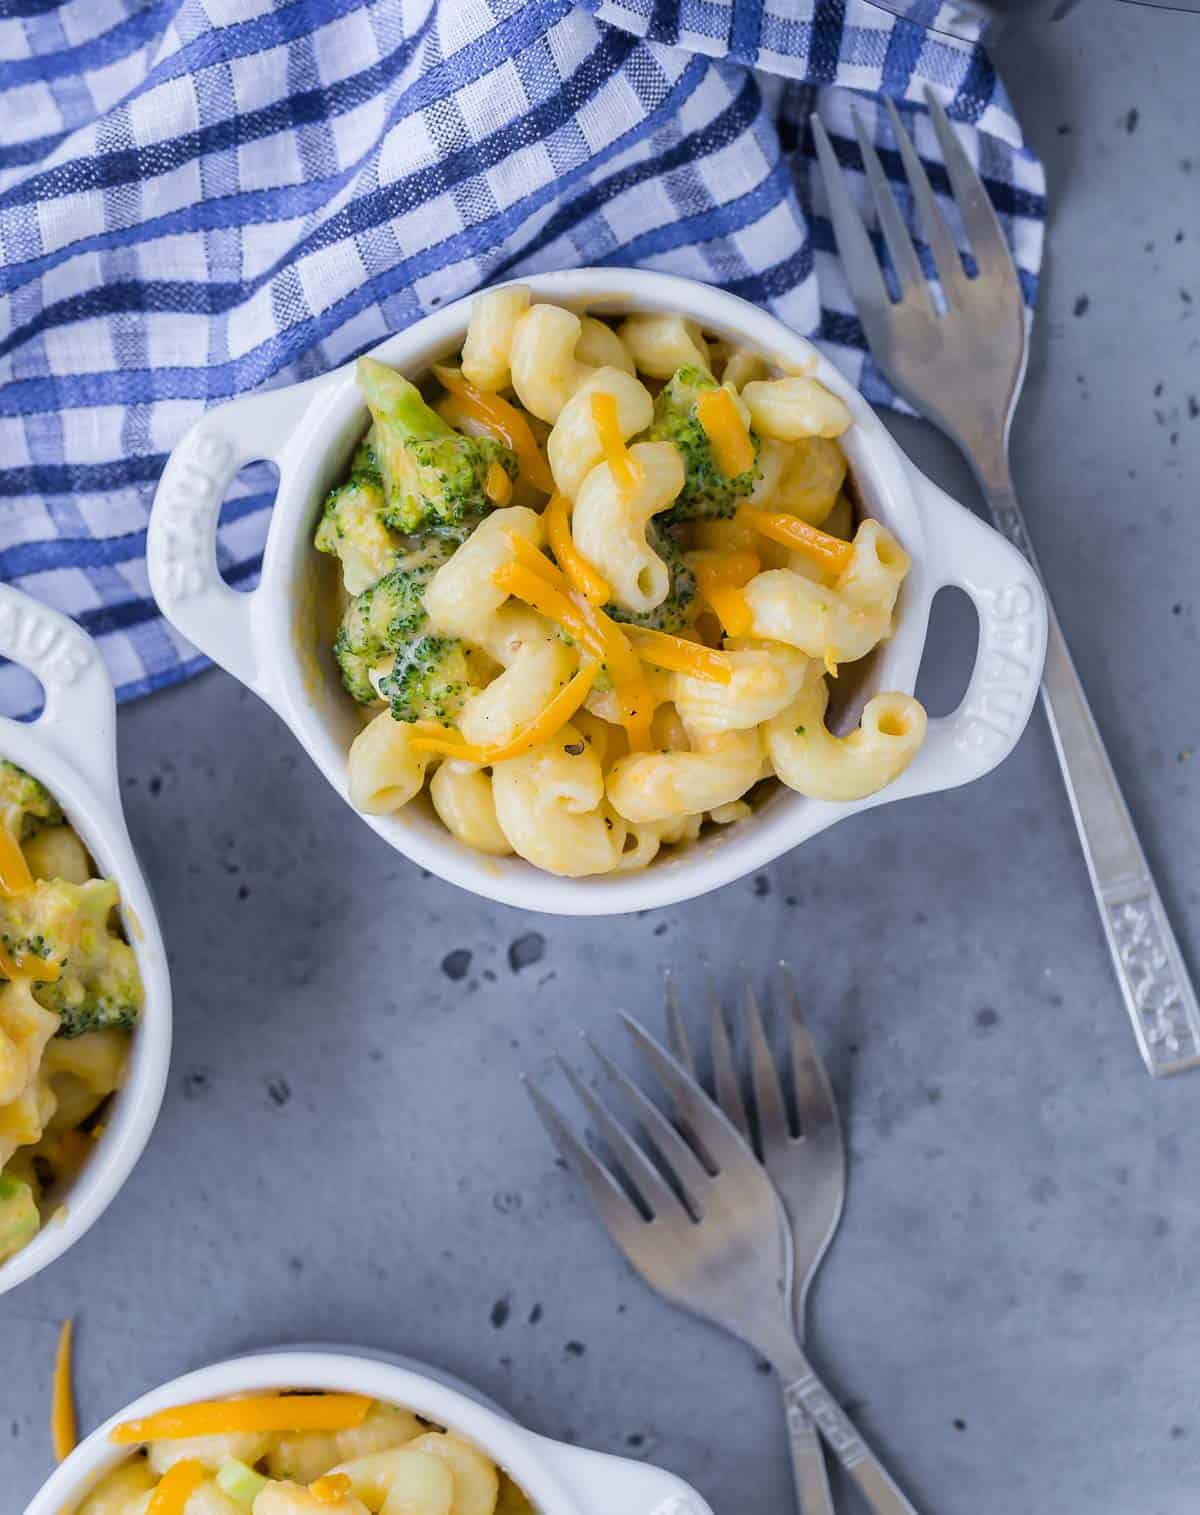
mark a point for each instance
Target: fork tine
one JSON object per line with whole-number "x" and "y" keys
{"x": 945, "y": 254}
{"x": 655, "y": 1193}
{"x": 983, "y": 228}
{"x": 700, "y": 1117}
{"x": 769, "y": 1108}
{"x": 816, "y": 1107}
{"x": 725, "y": 1076}
{"x": 675, "y": 1153}
{"x": 909, "y": 273}
{"x": 858, "y": 256}
{"x": 614, "y": 1207}
{"x": 677, "y": 1035}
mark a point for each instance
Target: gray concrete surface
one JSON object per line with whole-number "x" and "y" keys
{"x": 1011, "y": 1304}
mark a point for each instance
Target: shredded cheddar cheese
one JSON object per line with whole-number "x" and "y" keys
{"x": 15, "y": 877}
{"x": 623, "y": 468}
{"x": 733, "y": 451}
{"x": 497, "y": 485}
{"x": 662, "y": 650}
{"x": 721, "y": 578}
{"x": 537, "y": 581}
{"x": 35, "y": 968}
{"x": 503, "y": 420}
{"x": 331, "y": 1489}
{"x": 589, "y": 583}
{"x": 179, "y": 1483}
{"x": 539, "y": 731}
{"x": 62, "y": 1405}
{"x": 263, "y": 1412}
{"x": 829, "y": 553}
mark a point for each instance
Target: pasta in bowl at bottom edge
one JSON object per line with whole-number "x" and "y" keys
{"x": 395, "y": 1436}
{"x": 270, "y": 638}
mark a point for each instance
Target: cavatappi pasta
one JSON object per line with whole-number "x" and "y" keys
{"x": 595, "y": 579}
{"x": 70, "y": 994}
{"x": 299, "y": 1454}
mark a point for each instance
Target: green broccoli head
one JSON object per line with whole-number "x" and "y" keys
{"x": 707, "y": 493}
{"x": 20, "y": 791}
{"x": 68, "y": 924}
{"x": 385, "y": 617}
{"x": 352, "y": 528}
{"x": 19, "y": 1218}
{"x": 429, "y": 681}
{"x": 432, "y": 475}
{"x": 675, "y": 610}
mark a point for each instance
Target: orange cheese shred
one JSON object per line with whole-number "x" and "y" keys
{"x": 662, "y": 650}
{"x": 623, "y": 468}
{"x": 15, "y": 877}
{"x": 262, "y": 1412}
{"x": 720, "y": 578}
{"x": 557, "y": 520}
{"x": 503, "y": 420}
{"x": 497, "y": 485}
{"x": 179, "y": 1483}
{"x": 63, "y": 1427}
{"x": 331, "y": 1489}
{"x": 733, "y": 451}
{"x": 829, "y": 553}
{"x": 35, "y": 968}
{"x": 539, "y": 731}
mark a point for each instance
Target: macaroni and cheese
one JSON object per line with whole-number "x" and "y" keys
{"x": 596, "y": 580}
{"x": 299, "y": 1454}
{"x": 69, "y": 997}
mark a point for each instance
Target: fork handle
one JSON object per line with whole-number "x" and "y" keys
{"x": 1158, "y": 993}
{"x": 804, "y": 1395}
{"x": 809, "y": 1473}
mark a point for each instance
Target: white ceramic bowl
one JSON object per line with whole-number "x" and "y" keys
{"x": 269, "y": 639}
{"x": 560, "y": 1480}
{"x": 72, "y": 749}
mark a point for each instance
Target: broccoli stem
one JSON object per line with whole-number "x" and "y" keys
{"x": 392, "y": 396}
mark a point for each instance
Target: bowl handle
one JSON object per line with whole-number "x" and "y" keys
{"x": 181, "y": 542}
{"x": 602, "y": 1484}
{"x": 1011, "y": 606}
{"x": 79, "y": 718}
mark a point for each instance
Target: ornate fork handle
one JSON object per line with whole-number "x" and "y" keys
{"x": 809, "y": 1402}
{"x": 1154, "y": 981}
{"x": 809, "y": 1473}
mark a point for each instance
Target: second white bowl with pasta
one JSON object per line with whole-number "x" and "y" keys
{"x": 65, "y": 1151}
{"x": 272, "y": 639}
{"x": 537, "y": 1474}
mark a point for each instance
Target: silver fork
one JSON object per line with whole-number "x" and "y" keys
{"x": 807, "y": 1167}
{"x": 963, "y": 368}
{"x": 704, "y": 1227}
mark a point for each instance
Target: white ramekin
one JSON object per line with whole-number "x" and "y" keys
{"x": 559, "y": 1479}
{"x": 270, "y": 641}
{"x": 72, "y": 749}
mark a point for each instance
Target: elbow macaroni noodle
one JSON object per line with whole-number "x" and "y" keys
{"x": 724, "y": 688}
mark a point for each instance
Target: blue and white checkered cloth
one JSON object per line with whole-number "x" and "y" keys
{"x": 202, "y": 196}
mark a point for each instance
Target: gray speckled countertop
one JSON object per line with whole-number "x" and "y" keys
{"x": 1010, "y": 1305}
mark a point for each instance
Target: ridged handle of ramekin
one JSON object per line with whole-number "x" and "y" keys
{"x": 181, "y": 542}
{"x": 603, "y": 1485}
{"x": 78, "y": 720}
{"x": 1011, "y": 605}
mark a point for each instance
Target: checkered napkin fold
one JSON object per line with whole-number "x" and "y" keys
{"x": 201, "y": 196}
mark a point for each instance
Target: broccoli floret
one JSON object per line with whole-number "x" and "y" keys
{"x": 674, "y": 610}
{"x": 352, "y": 528}
{"x": 432, "y": 475}
{"x": 707, "y": 492}
{"x": 429, "y": 680}
{"x": 19, "y": 1218}
{"x": 385, "y": 617}
{"x": 21, "y": 791}
{"x": 68, "y": 924}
